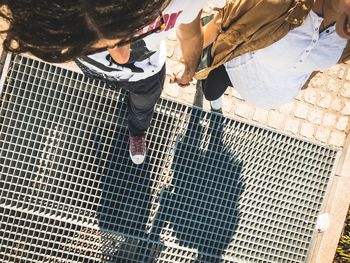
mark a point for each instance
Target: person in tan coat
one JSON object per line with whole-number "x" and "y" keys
{"x": 268, "y": 50}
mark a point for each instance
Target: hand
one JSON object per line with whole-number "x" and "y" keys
{"x": 181, "y": 75}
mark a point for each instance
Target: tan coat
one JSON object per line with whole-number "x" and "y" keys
{"x": 248, "y": 25}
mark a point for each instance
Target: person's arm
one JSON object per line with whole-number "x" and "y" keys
{"x": 191, "y": 42}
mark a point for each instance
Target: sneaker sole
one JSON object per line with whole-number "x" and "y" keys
{"x": 138, "y": 159}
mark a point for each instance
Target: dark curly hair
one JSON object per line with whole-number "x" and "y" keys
{"x": 61, "y": 30}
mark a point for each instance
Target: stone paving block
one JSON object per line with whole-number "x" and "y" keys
{"x": 333, "y": 71}
{"x": 329, "y": 119}
{"x": 177, "y": 54}
{"x": 261, "y": 115}
{"x": 186, "y": 97}
{"x": 244, "y": 110}
{"x": 170, "y": 48}
{"x": 234, "y": 104}
{"x": 342, "y": 72}
{"x": 345, "y": 91}
{"x": 333, "y": 85}
{"x": 337, "y": 138}
{"x": 315, "y": 115}
{"x": 206, "y": 105}
{"x": 337, "y": 104}
{"x": 189, "y": 90}
{"x": 310, "y": 95}
{"x": 276, "y": 119}
{"x": 172, "y": 90}
{"x": 322, "y": 134}
{"x": 324, "y": 100}
{"x": 171, "y": 66}
{"x": 319, "y": 82}
{"x": 292, "y": 125}
{"x": 236, "y": 94}
{"x": 346, "y": 108}
{"x": 299, "y": 96}
{"x": 347, "y": 75}
{"x": 342, "y": 123}
{"x": 288, "y": 108}
{"x": 301, "y": 110}
{"x": 187, "y": 100}
{"x": 307, "y": 130}
{"x": 227, "y": 105}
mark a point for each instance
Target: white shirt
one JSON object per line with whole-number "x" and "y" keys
{"x": 152, "y": 47}
{"x": 274, "y": 75}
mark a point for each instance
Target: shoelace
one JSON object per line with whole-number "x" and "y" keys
{"x": 137, "y": 144}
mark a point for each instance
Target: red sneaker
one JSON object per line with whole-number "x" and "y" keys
{"x": 137, "y": 149}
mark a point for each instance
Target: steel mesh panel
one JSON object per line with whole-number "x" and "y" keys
{"x": 212, "y": 189}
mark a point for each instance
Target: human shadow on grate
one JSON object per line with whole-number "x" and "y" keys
{"x": 202, "y": 210}
{"x": 125, "y": 197}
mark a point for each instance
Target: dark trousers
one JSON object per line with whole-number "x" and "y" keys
{"x": 143, "y": 96}
{"x": 216, "y": 83}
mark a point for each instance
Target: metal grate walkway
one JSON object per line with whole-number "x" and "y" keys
{"x": 212, "y": 189}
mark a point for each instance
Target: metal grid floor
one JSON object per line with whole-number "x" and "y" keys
{"x": 212, "y": 189}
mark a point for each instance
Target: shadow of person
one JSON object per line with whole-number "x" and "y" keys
{"x": 201, "y": 212}
{"x": 125, "y": 196}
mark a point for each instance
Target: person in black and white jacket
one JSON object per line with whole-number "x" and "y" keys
{"x": 121, "y": 42}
